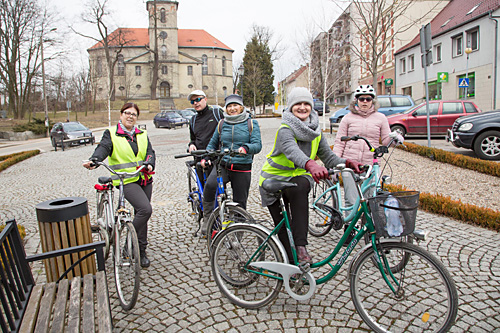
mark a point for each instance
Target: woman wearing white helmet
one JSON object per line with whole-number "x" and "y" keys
{"x": 363, "y": 120}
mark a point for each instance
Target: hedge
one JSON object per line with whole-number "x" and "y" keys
{"x": 8, "y": 160}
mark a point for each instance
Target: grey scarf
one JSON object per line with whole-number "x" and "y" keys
{"x": 238, "y": 118}
{"x": 306, "y": 130}
{"x": 130, "y": 133}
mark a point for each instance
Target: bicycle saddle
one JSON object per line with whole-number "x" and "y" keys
{"x": 273, "y": 185}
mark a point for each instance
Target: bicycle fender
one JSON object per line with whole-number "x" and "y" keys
{"x": 367, "y": 247}
{"x": 286, "y": 271}
{"x": 267, "y": 231}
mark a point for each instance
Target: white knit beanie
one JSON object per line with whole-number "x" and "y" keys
{"x": 299, "y": 94}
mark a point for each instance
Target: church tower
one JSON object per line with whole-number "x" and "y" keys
{"x": 163, "y": 37}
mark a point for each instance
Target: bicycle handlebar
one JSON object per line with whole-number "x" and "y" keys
{"x": 209, "y": 153}
{"x": 122, "y": 174}
{"x": 377, "y": 152}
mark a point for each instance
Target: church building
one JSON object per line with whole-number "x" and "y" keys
{"x": 186, "y": 59}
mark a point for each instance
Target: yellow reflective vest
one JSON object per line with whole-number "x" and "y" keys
{"x": 123, "y": 158}
{"x": 279, "y": 167}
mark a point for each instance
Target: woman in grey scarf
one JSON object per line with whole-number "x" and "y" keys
{"x": 298, "y": 141}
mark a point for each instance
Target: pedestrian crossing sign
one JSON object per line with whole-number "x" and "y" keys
{"x": 463, "y": 83}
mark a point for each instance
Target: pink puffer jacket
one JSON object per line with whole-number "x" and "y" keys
{"x": 372, "y": 127}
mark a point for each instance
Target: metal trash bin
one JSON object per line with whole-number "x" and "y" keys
{"x": 65, "y": 223}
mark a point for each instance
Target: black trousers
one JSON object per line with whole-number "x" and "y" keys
{"x": 240, "y": 183}
{"x": 140, "y": 198}
{"x": 297, "y": 207}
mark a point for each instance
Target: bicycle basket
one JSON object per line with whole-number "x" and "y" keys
{"x": 394, "y": 214}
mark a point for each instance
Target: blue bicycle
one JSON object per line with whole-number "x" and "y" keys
{"x": 225, "y": 211}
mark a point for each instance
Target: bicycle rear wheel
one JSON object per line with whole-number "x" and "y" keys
{"x": 106, "y": 215}
{"x": 232, "y": 214}
{"x": 425, "y": 299}
{"x": 127, "y": 265}
{"x": 193, "y": 197}
{"x": 319, "y": 203}
{"x": 231, "y": 251}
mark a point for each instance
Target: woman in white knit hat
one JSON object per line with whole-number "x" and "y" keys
{"x": 298, "y": 141}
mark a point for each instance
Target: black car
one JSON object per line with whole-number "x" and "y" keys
{"x": 479, "y": 132}
{"x": 318, "y": 106}
{"x": 73, "y": 132}
{"x": 169, "y": 119}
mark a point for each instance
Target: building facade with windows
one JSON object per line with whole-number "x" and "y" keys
{"x": 465, "y": 44}
{"x": 188, "y": 59}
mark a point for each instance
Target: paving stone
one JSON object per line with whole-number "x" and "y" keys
{"x": 178, "y": 293}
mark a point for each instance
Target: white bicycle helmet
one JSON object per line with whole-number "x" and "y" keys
{"x": 365, "y": 90}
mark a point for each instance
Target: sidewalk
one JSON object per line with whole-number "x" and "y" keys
{"x": 178, "y": 293}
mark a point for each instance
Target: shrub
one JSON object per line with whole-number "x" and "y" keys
{"x": 22, "y": 230}
{"x": 8, "y": 160}
{"x": 37, "y": 126}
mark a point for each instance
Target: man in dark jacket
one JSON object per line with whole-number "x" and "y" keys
{"x": 202, "y": 126}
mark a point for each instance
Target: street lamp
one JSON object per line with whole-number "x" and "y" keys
{"x": 241, "y": 71}
{"x": 43, "y": 83}
{"x": 468, "y": 51}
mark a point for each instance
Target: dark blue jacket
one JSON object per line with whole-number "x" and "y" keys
{"x": 234, "y": 136}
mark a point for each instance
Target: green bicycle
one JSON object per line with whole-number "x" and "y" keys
{"x": 395, "y": 285}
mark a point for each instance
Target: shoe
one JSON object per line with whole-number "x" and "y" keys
{"x": 145, "y": 262}
{"x": 302, "y": 255}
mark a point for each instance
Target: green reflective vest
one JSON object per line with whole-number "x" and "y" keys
{"x": 280, "y": 167}
{"x": 123, "y": 159}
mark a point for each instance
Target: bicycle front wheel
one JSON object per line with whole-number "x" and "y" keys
{"x": 105, "y": 219}
{"x": 234, "y": 274}
{"x": 319, "y": 202}
{"x": 127, "y": 265}
{"x": 425, "y": 298}
{"x": 232, "y": 214}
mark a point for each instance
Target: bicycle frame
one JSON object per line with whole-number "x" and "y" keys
{"x": 367, "y": 227}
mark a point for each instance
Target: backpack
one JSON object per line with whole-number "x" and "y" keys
{"x": 249, "y": 123}
{"x": 215, "y": 113}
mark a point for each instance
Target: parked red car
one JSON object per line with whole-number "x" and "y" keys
{"x": 442, "y": 114}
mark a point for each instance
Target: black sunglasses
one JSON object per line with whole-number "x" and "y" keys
{"x": 365, "y": 99}
{"x": 196, "y": 100}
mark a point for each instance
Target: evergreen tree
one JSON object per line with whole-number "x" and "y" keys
{"x": 258, "y": 78}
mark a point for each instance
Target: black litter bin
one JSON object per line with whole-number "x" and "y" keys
{"x": 65, "y": 223}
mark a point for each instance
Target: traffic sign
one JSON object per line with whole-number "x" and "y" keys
{"x": 463, "y": 83}
{"x": 389, "y": 82}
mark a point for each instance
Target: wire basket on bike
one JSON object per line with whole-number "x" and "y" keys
{"x": 394, "y": 214}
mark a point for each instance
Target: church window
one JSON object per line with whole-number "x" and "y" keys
{"x": 164, "y": 52}
{"x": 98, "y": 66}
{"x": 223, "y": 65}
{"x": 190, "y": 70}
{"x": 137, "y": 70}
{"x": 121, "y": 65}
{"x": 204, "y": 65}
{"x": 164, "y": 69}
{"x": 163, "y": 15}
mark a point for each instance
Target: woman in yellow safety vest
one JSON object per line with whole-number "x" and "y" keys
{"x": 126, "y": 148}
{"x": 297, "y": 143}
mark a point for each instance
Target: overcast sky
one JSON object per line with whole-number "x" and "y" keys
{"x": 230, "y": 21}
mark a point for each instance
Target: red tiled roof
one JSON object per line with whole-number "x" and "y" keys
{"x": 456, "y": 12}
{"x": 186, "y": 38}
{"x": 199, "y": 38}
{"x": 296, "y": 74}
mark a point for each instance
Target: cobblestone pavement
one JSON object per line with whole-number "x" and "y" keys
{"x": 177, "y": 290}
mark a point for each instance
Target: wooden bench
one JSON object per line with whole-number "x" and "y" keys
{"x": 79, "y": 305}
{"x": 67, "y": 142}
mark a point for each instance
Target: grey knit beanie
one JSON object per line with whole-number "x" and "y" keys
{"x": 299, "y": 94}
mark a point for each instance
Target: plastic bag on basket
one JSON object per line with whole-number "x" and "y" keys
{"x": 393, "y": 217}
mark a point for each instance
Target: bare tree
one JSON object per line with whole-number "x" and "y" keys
{"x": 22, "y": 30}
{"x": 377, "y": 25}
{"x": 155, "y": 65}
{"x": 111, "y": 43}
